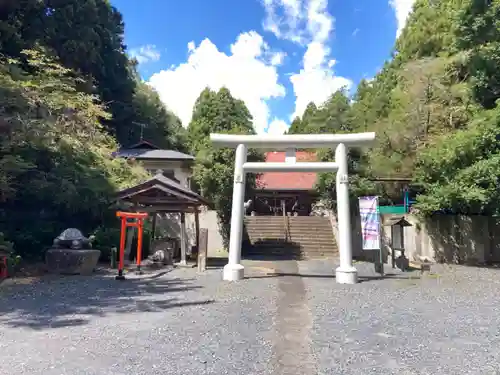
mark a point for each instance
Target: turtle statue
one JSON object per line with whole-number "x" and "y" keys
{"x": 72, "y": 238}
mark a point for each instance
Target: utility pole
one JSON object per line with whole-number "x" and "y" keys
{"x": 142, "y": 126}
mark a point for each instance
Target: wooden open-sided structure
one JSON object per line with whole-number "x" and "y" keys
{"x": 160, "y": 194}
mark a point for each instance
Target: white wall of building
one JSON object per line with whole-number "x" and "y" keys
{"x": 169, "y": 225}
{"x": 181, "y": 170}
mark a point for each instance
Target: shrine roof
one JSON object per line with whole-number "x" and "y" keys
{"x": 162, "y": 191}
{"x": 287, "y": 180}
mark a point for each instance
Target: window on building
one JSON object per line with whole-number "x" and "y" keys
{"x": 171, "y": 175}
{"x": 167, "y": 173}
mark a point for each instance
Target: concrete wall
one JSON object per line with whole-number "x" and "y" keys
{"x": 169, "y": 225}
{"x": 442, "y": 238}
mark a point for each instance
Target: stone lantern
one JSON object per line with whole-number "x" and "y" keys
{"x": 398, "y": 225}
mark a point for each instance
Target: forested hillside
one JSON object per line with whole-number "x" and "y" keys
{"x": 69, "y": 95}
{"x": 434, "y": 109}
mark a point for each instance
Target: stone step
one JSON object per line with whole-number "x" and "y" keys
{"x": 301, "y": 255}
{"x": 265, "y": 230}
{"x": 290, "y": 251}
{"x": 300, "y": 219}
{"x": 295, "y": 230}
{"x": 312, "y": 248}
{"x": 311, "y": 236}
{"x": 329, "y": 250}
{"x": 277, "y": 233}
{"x": 294, "y": 245}
{"x": 315, "y": 241}
{"x": 307, "y": 237}
{"x": 303, "y": 241}
{"x": 313, "y": 227}
{"x": 263, "y": 219}
{"x": 293, "y": 222}
{"x": 310, "y": 225}
{"x": 311, "y": 230}
{"x": 304, "y": 244}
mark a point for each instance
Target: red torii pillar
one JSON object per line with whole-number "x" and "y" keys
{"x": 139, "y": 224}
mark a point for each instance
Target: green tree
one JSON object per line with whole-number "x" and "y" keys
{"x": 429, "y": 107}
{"x": 308, "y": 116}
{"x": 52, "y": 141}
{"x": 159, "y": 124}
{"x": 461, "y": 172}
{"x": 87, "y": 36}
{"x": 428, "y": 31}
{"x": 478, "y": 35}
{"x": 295, "y": 126}
{"x": 218, "y": 112}
{"x": 334, "y": 116}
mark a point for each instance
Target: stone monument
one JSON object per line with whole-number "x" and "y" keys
{"x": 72, "y": 254}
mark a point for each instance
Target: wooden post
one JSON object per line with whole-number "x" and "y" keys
{"x": 491, "y": 240}
{"x": 140, "y": 223}
{"x": 197, "y": 228}
{"x": 183, "y": 240}
{"x": 203, "y": 250}
{"x": 122, "y": 248}
{"x": 153, "y": 234}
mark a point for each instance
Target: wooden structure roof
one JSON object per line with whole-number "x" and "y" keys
{"x": 397, "y": 220}
{"x": 145, "y": 150}
{"x": 161, "y": 194}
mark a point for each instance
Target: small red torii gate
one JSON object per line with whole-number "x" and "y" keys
{"x": 139, "y": 224}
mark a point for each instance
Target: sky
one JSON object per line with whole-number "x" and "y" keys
{"x": 275, "y": 55}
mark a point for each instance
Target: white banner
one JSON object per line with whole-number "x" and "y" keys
{"x": 370, "y": 222}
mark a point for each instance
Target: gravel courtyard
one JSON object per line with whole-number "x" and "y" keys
{"x": 285, "y": 318}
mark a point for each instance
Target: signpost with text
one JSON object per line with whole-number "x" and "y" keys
{"x": 371, "y": 227}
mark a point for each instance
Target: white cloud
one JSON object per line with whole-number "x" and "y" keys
{"x": 315, "y": 85}
{"x": 145, "y": 53}
{"x": 245, "y": 72}
{"x": 277, "y": 58}
{"x": 290, "y": 24}
{"x": 277, "y": 127}
{"x": 307, "y": 23}
{"x": 402, "y": 9}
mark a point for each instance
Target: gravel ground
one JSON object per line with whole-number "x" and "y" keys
{"x": 184, "y": 323}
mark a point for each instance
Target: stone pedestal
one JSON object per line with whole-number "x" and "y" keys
{"x": 346, "y": 275}
{"x": 233, "y": 272}
{"x": 72, "y": 262}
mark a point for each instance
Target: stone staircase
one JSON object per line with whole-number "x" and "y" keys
{"x": 289, "y": 237}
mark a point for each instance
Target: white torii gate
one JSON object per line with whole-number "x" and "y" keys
{"x": 345, "y": 273}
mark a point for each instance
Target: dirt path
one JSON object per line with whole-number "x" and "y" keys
{"x": 293, "y": 324}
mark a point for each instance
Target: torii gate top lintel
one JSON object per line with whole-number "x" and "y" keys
{"x": 292, "y": 140}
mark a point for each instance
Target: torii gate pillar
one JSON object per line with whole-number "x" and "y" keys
{"x": 345, "y": 273}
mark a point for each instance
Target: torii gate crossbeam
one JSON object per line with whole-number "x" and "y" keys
{"x": 345, "y": 273}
